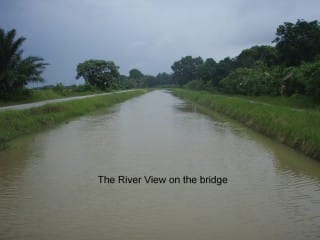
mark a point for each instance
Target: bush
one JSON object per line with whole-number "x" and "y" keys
{"x": 310, "y": 75}
{"x": 195, "y": 84}
{"x": 247, "y": 81}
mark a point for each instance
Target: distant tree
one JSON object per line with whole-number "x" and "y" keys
{"x": 150, "y": 81}
{"x": 224, "y": 68}
{"x": 298, "y": 42}
{"x": 186, "y": 69}
{"x": 135, "y": 73}
{"x": 160, "y": 79}
{"x": 137, "y": 77}
{"x": 309, "y": 75}
{"x": 266, "y": 55}
{"x": 207, "y": 71}
{"x": 16, "y": 72}
{"x": 164, "y": 78}
{"x": 99, "y": 73}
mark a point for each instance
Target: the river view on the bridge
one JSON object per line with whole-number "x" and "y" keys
{"x": 49, "y": 186}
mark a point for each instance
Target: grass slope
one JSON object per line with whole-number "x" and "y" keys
{"x": 15, "y": 123}
{"x": 45, "y": 94}
{"x": 299, "y": 129}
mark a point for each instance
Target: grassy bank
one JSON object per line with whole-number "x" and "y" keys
{"x": 44, "y": 94}
{"x": 299, "y": 129}
{"x": 15, "y": 123}
{"x": 294, "y": 101}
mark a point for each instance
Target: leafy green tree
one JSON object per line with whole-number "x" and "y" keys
{"x": 266, "y": 55}
{"x": 224, "y": 68}
{"x": 161, "y": 79}
{"x": 16, "y": 72}
{"x": 208, "y": 71}
{"x": 309, "y": 74}
{"x": 164, "y": 79}
{"x": 137, "y": 77}
{"x": 247, "y": 81}
{"x": 298, "y": 42}
{"x": 186, "y": 69}
{"x": 135, "y": 74}
{"x": 99, "y": 73}
{"x": 125, "y": 82}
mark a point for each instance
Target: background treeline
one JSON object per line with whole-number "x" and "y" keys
{"x": 290, "y": 67}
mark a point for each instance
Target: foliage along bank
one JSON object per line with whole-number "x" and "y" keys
{"x": 291, "y": 67}
{"x": 15, "y": 123}
{"x": 299, "y": 129}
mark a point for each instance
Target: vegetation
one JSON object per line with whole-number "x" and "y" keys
{"x": 285, "y": 76}
{"x": 15, "y": 123}
{"x": 186, "y": 69}
{"x": 16, "y": 71}
{"x": 297, "y": 129}
{"x": 298, "y": 42}
{"x": 98, "y": 73}
{"x": 50, "y": 92}
{"x": 291, "y": 67}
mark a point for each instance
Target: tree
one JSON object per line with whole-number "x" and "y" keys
{"x": 99, "y": 73}
{"x": 16, "y": 72}
{"x": 137, "y": 77}
{"x": 298, "y": 42}
{"x": 186, "y": 69}
{"x": 208, "y": 70}
{"x": 135, "y": 74}
{"x": 164, "y": 79}
{"x": 224, "y": 68}
{"x": 257, "y": 54}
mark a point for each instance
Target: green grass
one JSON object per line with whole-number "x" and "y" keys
{"x": 15, "y": 123}
{"x": 299, "y": 129}
{"x": 294, "y": 101}
{"x": 45, "y": 94}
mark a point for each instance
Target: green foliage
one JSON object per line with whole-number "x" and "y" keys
{"x": 16, "y": 72}
{"x": 15, "y": 123}
{"x": 297, "y": 129}
{"x": 161, "y": 79}
{"x": 298, "y": 42}
{"x": 224, "y": 68}
{"x": 208, "y": 71}
{"x": 247, "y": 81}
{"x": 186, "y": 69}
{"x": 98, "y": 73}
{"x": 266, "y": 55}
{"x": 195, "y": 84}
{"x": 137, "y": 78}
{"x": 310, "y": 76}
{"x": 58, "y": 87}
{"x": 135, "y": 74}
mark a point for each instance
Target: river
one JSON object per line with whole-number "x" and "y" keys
{"x": 49, "y": 185}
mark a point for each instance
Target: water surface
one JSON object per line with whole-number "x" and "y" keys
{"x": 49, "y": 185}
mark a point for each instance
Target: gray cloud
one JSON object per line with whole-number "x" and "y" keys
{"x": 144, "y": 34}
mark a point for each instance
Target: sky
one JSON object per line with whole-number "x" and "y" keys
{"x": 145, "y": 34}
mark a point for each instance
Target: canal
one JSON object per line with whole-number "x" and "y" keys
{"x": 50, "y": 189}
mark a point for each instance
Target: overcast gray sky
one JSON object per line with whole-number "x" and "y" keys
{"x": 145, "y": 34}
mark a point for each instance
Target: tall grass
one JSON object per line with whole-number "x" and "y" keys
{"x": 299, "y": 129}
{"x": 44, "y": 94}
{"x": 15, "y": 123}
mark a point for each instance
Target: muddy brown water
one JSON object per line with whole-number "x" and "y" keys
{"x": 49, "y": 185}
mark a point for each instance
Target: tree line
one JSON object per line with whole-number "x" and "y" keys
{"x": 291, "y": 66}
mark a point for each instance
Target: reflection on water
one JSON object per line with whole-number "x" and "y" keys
{"x": 49, "y": 187}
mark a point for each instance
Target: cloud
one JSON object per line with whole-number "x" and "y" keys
{"x": 145, "y": 34}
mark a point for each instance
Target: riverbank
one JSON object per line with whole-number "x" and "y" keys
{"x": 15, "y": 123}
{"x": 299, "y": 129}
{"x": 36, "y": 95}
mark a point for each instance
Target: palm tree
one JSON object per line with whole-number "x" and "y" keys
{"x": 16, "y": 72}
